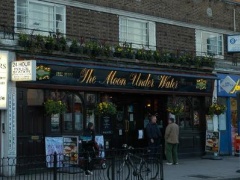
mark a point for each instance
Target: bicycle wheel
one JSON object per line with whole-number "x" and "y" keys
{"x": 121, "y": 171}
{"x": 149, "y": 169}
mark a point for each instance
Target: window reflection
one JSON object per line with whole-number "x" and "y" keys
{"x": 73, "y": 118}
{"x": 190, "y": 118}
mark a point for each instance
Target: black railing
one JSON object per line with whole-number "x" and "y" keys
{"x": 63, "y": 167}
{"x": 7, "y": 32}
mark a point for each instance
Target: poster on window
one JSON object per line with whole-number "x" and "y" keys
{"x": 70, "y": 149}
{"x": 209, "y": 122}
{"x": 52, "y": 145}
{"x": 100, "y": 146}
{"x": 212, "y": 141}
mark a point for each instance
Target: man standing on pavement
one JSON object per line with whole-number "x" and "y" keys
{"x": 154, "y": 135}
{"x": 171, "y": 142}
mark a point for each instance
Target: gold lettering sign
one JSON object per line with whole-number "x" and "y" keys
{"x": 236, "y": 87}
{"x": 167, "y": 82}
{"x": 113, "y": 80}
{"x": 86, "y": 76}
{"x": 138, "y": 81}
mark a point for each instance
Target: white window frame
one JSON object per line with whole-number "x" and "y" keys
{"x": 35, "y": 30}
{"x": 204, "y": 47}
{"x": 148, "y": 43}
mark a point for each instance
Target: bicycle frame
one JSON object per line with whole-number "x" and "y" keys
{"x": 135, "y": 166}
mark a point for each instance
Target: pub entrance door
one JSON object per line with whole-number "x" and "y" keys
{"x": 30, "y": 126}
{"x": 133, "y": 115}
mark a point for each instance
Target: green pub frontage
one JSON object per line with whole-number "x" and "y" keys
{"x": 137, "y": 91}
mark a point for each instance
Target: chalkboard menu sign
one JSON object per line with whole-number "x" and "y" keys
{"x": 106, "y": 122}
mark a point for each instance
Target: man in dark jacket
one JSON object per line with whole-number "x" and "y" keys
{"x": 154, "y": 135}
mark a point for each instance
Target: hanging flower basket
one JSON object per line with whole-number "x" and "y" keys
{"x": 176, "y": 108}
{"x": 55, "y": 107}
{"x": 106, "y": 108}
{"x": 217, "y": 108}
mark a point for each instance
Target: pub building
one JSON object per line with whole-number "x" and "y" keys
{"x": 137, "y": 91}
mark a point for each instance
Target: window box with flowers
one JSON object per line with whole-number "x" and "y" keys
{"x": 217, "y": 108}
{"x": 106, "y": 108}
{"x": 54, "y": 107}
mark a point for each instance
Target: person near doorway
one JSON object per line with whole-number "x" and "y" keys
{"x": 154, "y": 135}
{"x": 171, "y": 142}
{"x": 88, "y": 147}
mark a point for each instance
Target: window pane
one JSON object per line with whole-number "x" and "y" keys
{"x": 67, "y": 118}
{"x": 78, "y": 121}
{"x": 21, "y": 14}
{"x": 68, "y": 122}
{"x": 78, "y": 113}
{"x": 41, "y": 17}
{"x": 55, "y": 123}
{"x": 210, "y": 43}
{"x": 60, "y": 19}
{"x": 133, "y": 31}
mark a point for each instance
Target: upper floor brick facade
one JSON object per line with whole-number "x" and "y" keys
{"x": 174, "y": 22}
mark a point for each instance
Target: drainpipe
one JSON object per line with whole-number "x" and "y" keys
{"x": 234, "y": 20}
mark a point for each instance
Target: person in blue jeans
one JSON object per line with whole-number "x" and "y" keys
{"x": 154, "y": 136}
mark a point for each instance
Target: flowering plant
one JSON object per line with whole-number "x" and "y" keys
{"x": 106, "y": 108}
{"x": 55, "y": 107}
{"x": 216, "y": 108}
{"x": 176, "y": 108}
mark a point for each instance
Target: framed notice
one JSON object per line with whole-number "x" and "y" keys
{"x": 212, "y": 141}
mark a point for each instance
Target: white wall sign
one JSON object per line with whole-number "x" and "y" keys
{"x": 233, "y": 43}
{"x": 24, "y": 70}
{"x": 3, "y": 79}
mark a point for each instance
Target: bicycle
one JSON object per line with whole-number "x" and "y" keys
{"x": 144, "y": 168}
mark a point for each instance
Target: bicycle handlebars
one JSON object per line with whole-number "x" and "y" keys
{"x": 125, "y": 146}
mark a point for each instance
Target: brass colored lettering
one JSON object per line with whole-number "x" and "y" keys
{"x": 113, "y": 80}
{"x": 86, "y": 75}
{"x": 167, "y": 82}
{"x": 137, "y": 80}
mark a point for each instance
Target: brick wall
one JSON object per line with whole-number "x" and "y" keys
{"x": 190, "y": 11}
{"x": 92, "y": 24}
{"x": 7, "y": 12}
{"x": 104, "y": 26}
{"x": 175, "y": 38}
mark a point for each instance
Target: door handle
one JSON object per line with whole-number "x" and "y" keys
{"x": 126, "y": 126}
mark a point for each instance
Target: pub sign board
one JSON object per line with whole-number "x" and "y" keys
{"x": 23, "y": 70}
{"x": 4, "y": 68}
{"x": 126, "y": 79}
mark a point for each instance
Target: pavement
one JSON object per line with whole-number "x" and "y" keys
{"x": 221, "y": 168}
